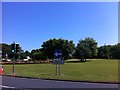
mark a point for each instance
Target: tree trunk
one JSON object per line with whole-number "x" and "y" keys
{"x": 82, "y": 59}
{"x": 34, "y": 61}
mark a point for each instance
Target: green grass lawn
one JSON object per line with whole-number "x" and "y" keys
{"x": 92, "y": 70}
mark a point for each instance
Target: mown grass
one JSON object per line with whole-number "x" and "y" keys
{"x": 92, "y": 70}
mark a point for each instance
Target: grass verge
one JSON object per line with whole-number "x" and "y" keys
{"x": 92, "y": 70}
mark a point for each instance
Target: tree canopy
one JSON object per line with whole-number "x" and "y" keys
{"x": 104, "y": 51}
{"x": 115, "y": 51}
{"x": 51, "y": 45}
{"x": 5, "y": 49}
{"x": 86, "y": 48}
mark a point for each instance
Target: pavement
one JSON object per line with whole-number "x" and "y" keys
{"x": 20, "y": 83}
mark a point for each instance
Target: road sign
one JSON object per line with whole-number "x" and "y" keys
{"x": 58, "y": 61}
{"x": 58, "y": 53}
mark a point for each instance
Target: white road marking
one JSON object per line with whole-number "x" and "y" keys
{"x": 6, "y": 86}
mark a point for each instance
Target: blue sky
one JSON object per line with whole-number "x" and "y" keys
{"x": 30, "y": 24}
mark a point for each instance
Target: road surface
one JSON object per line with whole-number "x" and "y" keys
{"x": 15, "y": 82}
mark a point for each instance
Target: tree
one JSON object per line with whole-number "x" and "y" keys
{"x": 115, "y": 51}
{"x": 104, "y": 51}
{"x": 27, "y": 53}
{"x": 86, "y": 48}
{"x": 37, "y": 55}
{"x": 5, "y": 50}
{"x": 33, "y": 54}
{"x": 23, "y": 56}
{"x": 51, "y": 45}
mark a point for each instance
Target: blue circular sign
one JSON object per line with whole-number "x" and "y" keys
{"x": 58, "y": 53}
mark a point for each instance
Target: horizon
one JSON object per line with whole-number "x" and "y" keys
{"x": 70, "y": 21}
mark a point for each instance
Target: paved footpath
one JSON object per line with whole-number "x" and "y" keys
{"x": 15, "y": 82}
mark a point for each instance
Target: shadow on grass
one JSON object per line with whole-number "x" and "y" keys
{"x": 78, "y": 61}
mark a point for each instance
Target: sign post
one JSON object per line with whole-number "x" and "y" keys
{"x": 57, "y": 69}
{"x": 58, "y": 61}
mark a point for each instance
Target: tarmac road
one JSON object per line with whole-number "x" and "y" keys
{"x": 16, "y": 82}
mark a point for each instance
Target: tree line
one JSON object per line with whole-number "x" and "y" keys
{"x": 85, "y": 48}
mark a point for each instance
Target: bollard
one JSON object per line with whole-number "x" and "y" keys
{"x": 0, "y": 70}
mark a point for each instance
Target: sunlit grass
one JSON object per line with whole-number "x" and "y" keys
{"x": 92, "y": 70}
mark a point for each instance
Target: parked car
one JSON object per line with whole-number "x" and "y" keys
{"x": 6, "y": 60}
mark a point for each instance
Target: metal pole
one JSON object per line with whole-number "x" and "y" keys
{"x": 13, "y": 64}
{"x": 56, "y": 69}
{"x": 13, "y": 61}
{"x": 59, "y": 66}
{"x": 59, "y": 69}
